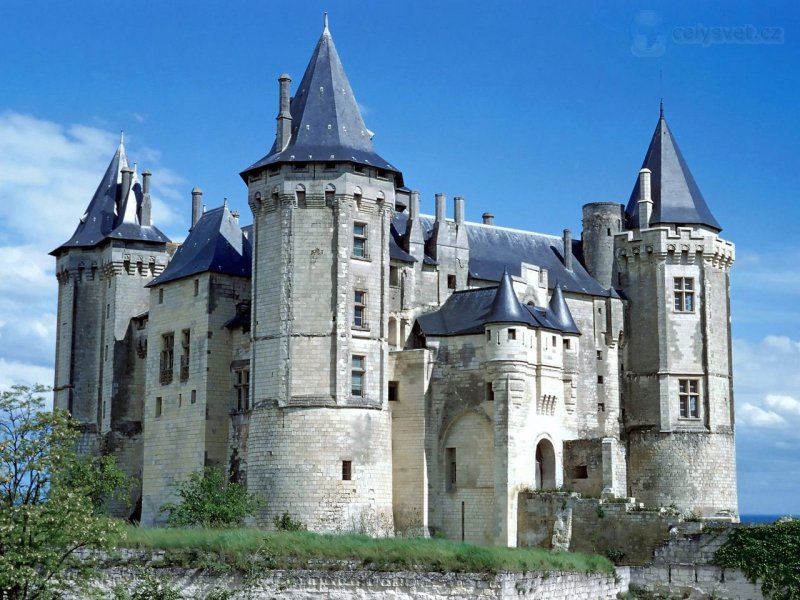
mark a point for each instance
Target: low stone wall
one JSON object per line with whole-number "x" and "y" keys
{"x": 344, "y": 585}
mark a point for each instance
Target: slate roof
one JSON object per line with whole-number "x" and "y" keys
{"x": 676, "y": 197}
{"x": 493, "y": 249}
{"x": 216, "y": 244}
{"x": 112, "y": 212}
{"x": 468, "y": 312}
{"x": 326, "y": 122}
{"x": 559, "y": 313}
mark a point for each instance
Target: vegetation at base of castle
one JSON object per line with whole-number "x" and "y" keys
{"x": 50, "y": 499}
{"x": 769, "y": 553}
{"x": 251, "y": 550}
{"x": 208, "y": 499}
{"x": 285, "y": 522}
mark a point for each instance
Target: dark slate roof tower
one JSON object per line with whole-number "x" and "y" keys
{"x": 119, "y": 209}
{"x": 676, "y": 197}
{"x": 323, "y": 117}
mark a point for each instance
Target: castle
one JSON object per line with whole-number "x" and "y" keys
{"x": 362, "y": 364}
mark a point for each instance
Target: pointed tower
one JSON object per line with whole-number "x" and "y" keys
{"x": 102, "y": 270}
{"x": 678, "y": 397}
{"x": 322, "y": 203}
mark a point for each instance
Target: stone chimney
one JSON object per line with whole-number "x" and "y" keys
{"x": 440, "y": 207}
{"x": 145, "y": 208}
{"x": 568, "y": 250}
{"x": 284, "y": 132}
{"x": 488, "y": 218}
{"x": 458, "y": 210}
{"x": 645, "y": 199}
{"x": 197, "y": 206}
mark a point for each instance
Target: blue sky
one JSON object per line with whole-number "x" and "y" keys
{"x": 528, "y": 110}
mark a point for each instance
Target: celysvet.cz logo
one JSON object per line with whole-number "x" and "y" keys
{"x": 722, "y": 34}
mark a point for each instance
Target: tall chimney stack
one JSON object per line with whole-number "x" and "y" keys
{"x": 488, "y": 218}
{"x": 645, "y": 199}
{"x": 458, "y": 210}
{"x": 413, "y": 206}
{"x": 568, "y": 250}
{"x": 440, "y": 208}
{"x": 197, "y": 206}
{"x": 284, "y": 115}
{"x": 145, "y": 208}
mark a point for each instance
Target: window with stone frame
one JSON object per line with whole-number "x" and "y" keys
{"x": 360, "y": 309}
{"x": 358, "y": 375}
{"x": 360, "y": 240}
{"x": 684, "y": 294}
{"x": 241, "y": 387}
{"x": 167, "y": 357}
{"x": 186, "y": 336}
{"x": 689, "y": 398}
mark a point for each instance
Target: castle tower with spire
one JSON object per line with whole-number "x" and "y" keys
{"x": 102, "y": 272}
{"x": 678, "y": 387}
{"x": 322, "y": 203}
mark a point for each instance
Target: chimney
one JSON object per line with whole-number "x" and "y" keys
{"x": 413, "y": 207}
{"x": 144, "y": 211}
{"x": 488, "y": 218}
{"x": 197, "y": 203}
{"x": 458, "y": 210}
{"x": 645, "y": 199}
{"x": 235, "y": 215}
{"x": 127, "y": 174}
{"x": 568, "y": 250}
{"x": 440, "y": 208}
{"x": 284, "y": 115}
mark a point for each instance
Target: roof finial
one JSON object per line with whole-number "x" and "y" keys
{"x": 325, "y": 21}
{"x": 661, "y": 108}
{"x": 225, "y": 202}
{"x": 121, "y": 137}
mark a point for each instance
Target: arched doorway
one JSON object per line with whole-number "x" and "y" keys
{"x": 545, "y": 465}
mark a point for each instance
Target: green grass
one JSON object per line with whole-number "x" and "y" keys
{"x": 245, "y": 549}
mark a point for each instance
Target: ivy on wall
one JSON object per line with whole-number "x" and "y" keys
{"x": 767, "y": 553}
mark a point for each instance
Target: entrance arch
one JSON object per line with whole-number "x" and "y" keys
{"x": 545, "y": 465}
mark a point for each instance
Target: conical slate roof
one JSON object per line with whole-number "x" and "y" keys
{"x": 506, "y": 307}
{"x": 216, "y": 244}
{"x": 105, "y": 217}
{"x": 326, "y": 121}
{"x": 676, "y": 197}
{"x": 559, "y": 313}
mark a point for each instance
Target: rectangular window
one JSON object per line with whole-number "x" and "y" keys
{"x": 451, "y": 282}
{"x": 161, "y": 296}
{"x": 599, "y": 355}
{"x": 194, "y": 396}
{"x": 393, "y": 387}
{"x": 108, "y": 310}
{"x": 452, "y": 473}
{"x": 512, "y": 334}
{"x": 489, "y": 392}
{"x": 689, "y": 396}
{"x": 554, "y": 343}
{"x": 394, "y": 276}
{"x": 360, "y": 240}
{"x": 566, "y": 344}
{"x": 357, "y": 375}
{"x": 158, "y": 407}
{"x": 599, "y": 379}
{"x": 185, "y": 342}
{"x": 196, "y": 287}
{"x": 488, "y": 335}
{"x": 347, "y": 470}
{"x": 360, "y": 309}
{"x": 167, "y": 357}
{"x": 684, "y": 294}
{"x": 242, "y": 387}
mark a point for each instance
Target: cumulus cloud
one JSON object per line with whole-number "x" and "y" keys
{"x": 758, "y": 417}
{"x": 48, "y": 174}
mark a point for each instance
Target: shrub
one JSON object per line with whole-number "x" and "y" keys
{"x": 285, "y": 522}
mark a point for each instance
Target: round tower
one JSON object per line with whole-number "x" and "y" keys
{"x": 601, "y": 222}
{"x": 319, "y": 445}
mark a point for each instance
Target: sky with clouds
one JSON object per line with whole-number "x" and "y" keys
{"x": 528, "y": 110}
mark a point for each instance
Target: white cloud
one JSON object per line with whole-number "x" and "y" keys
{"x": 783, "y": 404}
{"x": 48, "y": 174}
{"x": 758, "y": 417}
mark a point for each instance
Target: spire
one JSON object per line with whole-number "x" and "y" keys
{"x": 326, "y": 122}
{"x": 676, "y": 197}
{"x": 559, "y": 313}
{"x": 325, "y": 25}
{"x": 506, "y": 307}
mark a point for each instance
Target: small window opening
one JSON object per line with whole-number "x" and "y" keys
{"x": 359, "y": 364}
{"x": 599, "y": 379}
{"x": 488, "y": 335}
{"x": 158, "y": 406}
{"x": 580, "y": 472}
{"x": 347, "y": 470}
{"x": 599, "y": 355}
{"x": 601, "y": 407}
{"x": 194, "y": 396}
{"x": 196, "y": 287}
{"x": 452, "y": 473}
{"x": 608, "y": 231}
{"x": 489, "y": 392}
{"x": 566, "y": 344}
{"x": 161, "y": 296}
{"x": 451, "y": 282}
{"x": 358, "y": 169}
{"x": 394, "y": 276}
{"x": 393, "y": 385}
{"x": 512, "y": 334}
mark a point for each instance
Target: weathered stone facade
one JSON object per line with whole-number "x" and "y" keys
{"x": 367, "y": 367}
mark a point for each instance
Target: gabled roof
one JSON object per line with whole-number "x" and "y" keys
{"x": 216, "y": 244}
{"x": 112, "y": 212}
{"x": 493, "y": 249}
{"x": 326, "y": 122}
{"x": 676, "y": 197}
{"x": 469, "y": 311}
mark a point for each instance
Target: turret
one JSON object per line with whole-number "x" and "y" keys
{"x": 601, "y": 222}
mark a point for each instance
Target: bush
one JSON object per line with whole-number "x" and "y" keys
{"x": 208, "y": 499}
{"x": 285, "y": 522}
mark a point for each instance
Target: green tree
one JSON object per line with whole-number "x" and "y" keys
{"x": 49, "y": 498}
{"x": 208, "y": 499}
